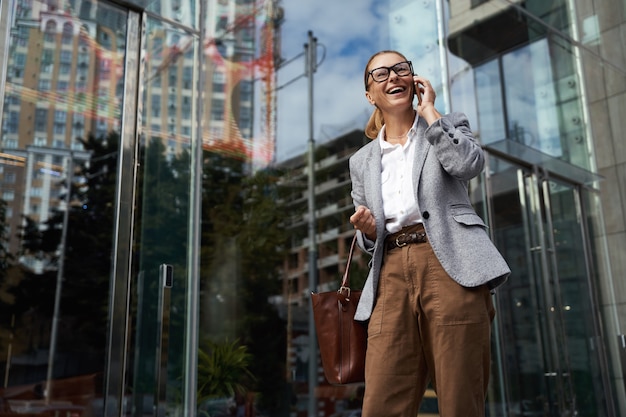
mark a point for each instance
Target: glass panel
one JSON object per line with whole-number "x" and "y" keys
{"x": 548, "y": 357}
{"x": 491, "y": 125}
{"x": 579, "y": 354}
{"x": 184, "y": 12}
{"x": 58, "y": 169}
{"x": 157, "y": 356}
{"x": 530, "y": 101}
{"x": 518, "y": 382}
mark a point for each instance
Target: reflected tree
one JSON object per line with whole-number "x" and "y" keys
{"x": 243, "y": 247}
{"x": 87, "y": 258}
{"x": 162, "y": 238}
{"x": 7, "y": 300}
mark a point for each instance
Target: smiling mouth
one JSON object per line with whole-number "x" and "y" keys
{"x": 396, "y": 90}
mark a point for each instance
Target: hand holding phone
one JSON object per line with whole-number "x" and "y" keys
{"x": 418, "y": 93}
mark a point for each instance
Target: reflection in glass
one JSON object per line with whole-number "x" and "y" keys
{"x": 157, "y": 356}
{"x": 491, "y": 125}
{"x": 544, "y": 311}
{"x": 58, "y": 164}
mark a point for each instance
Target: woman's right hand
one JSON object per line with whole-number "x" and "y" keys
{"x": 363, "y": 220}
{"x": 426, "y": 107}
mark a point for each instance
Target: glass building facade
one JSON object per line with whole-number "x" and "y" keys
{"x": 171, "y": 192}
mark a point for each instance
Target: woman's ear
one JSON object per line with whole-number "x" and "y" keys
{"x": 369, "y": 98}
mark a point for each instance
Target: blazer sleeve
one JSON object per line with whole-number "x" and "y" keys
{"x": 458, "y": 152}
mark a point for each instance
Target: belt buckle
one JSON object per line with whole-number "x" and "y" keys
{"x": 398, "y": 244}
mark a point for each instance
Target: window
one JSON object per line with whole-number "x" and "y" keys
{"x": 44, "y": 85}
{"x": 13, "y": 100}
{"x": 222, "y": 23}
{"x": 156, "y": 100}
{"x": 65, "y": 68}
{"x": 9, "y": 178}
{"x": 11, "y": 122}
{"x": 40, "y": 141}
{"x": 217, "y": 109}
{"x": 60, "y": 116}
{"x": 68, "y": 33}
{"x": 172, "y": 75}
{"x": 66, "y": 56}
{"x": 51, "y": 26}
{"x": 20, "y": 59}
{"x": 10, "y": 143}
{"x": 219, "y": 77}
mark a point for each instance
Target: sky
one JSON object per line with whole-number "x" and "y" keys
{"x": 345, "y": 39}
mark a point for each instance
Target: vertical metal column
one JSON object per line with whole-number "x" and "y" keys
{"x": 311, "y": 63}
{"x": 192, "y": 325}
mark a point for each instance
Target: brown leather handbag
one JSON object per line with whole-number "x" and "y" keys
{"x": 342, "y": 341}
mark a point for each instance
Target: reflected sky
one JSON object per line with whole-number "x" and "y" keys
{"x": 348, "y": 32}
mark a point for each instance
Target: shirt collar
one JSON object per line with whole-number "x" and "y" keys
{"x": 410, "y": 134}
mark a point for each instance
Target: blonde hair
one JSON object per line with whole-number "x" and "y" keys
{"x": 376, "y": 121}
{"x": 374, "y": 124}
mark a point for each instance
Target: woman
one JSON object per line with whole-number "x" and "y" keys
{"x": 427, "y": 298}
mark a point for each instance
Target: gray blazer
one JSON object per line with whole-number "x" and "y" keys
{"x": 446, "y": 158}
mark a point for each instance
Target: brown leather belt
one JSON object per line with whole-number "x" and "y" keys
{"x": 399, "y": 240}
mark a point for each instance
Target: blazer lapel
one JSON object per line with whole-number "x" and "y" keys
{"x": 421, "y": 150}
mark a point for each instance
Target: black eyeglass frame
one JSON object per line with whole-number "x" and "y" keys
{"x": 389, "y": 69}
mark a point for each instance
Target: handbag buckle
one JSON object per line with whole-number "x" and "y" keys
{"x": 346, "y": 289}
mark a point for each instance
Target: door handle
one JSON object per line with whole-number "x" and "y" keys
{"x": 166, "y": 277}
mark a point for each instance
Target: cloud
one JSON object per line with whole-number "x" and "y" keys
{"x": 347, "y": 35}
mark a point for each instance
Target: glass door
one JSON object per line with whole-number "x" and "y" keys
{"x": 157, "y": 364}
{"x": 549, "y": 342}
{"x": 66, "y": 152}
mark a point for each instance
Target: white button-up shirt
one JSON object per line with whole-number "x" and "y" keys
{"x": 399, "y": 198}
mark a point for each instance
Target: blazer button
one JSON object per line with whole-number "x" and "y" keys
{"x": 425, "y": 215}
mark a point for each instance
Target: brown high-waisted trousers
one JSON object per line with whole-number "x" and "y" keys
{"x": 426, "y": 328}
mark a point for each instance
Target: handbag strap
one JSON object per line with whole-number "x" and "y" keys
{"x": 345, "y": 282}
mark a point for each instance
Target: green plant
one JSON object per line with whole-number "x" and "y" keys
{"x": 223, "y": 370}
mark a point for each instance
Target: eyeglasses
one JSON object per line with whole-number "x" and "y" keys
{"x": 380, "y": 74}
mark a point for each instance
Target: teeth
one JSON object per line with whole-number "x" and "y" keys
{"x": 396, "y": 90}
